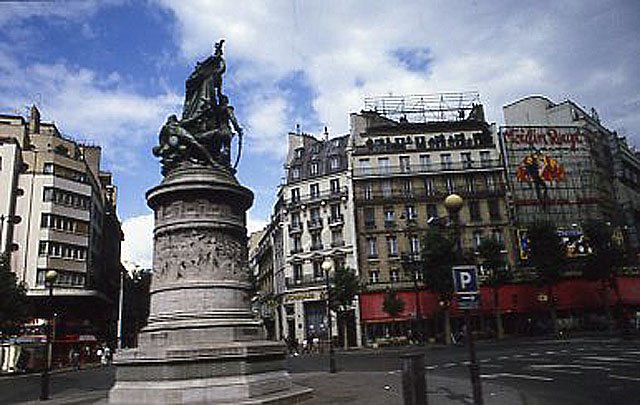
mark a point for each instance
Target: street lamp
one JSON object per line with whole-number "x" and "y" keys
{"x": 327, "y": 266}
{"x": 453, "y": 203}
{"x": 45, "y": 382}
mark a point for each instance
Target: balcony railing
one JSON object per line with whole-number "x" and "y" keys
{"x": 317, "y": 246}
{"x": 328, "y": 195}
{"x": 422, "y": 194}
{"x": 335, "y": 220}
{"x": 386, "y": 171}
{"x": 314, "y": 223}
{"x": 295, "y": 227}
{"x": 304, "y": 281}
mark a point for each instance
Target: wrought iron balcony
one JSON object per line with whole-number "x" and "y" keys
{"x": 305, "y": 280}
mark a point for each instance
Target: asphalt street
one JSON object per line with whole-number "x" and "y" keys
{"x": 586, "y": 371}
{"x": 576, "y": 371}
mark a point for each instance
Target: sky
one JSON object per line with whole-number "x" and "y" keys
{"x": 109, "y": 72}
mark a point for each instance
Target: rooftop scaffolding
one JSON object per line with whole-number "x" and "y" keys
{"x": 450, "y": 106}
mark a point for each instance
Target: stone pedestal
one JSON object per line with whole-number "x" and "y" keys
{"x": 202, "y": 343}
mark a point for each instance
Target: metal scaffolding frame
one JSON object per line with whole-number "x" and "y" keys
{"x": 450, "y": 106}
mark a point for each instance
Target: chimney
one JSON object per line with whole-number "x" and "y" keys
{"x": 34, "y": 120}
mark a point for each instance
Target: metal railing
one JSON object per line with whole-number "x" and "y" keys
{"x": 385, "y": 171}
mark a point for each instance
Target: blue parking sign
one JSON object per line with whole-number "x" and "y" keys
{"x": 465, "y": 279}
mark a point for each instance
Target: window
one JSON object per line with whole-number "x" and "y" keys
{"x": 465, "y": 157}
{"x": 405, "y": 165}
{"x": 334, "y": 162}
{"x": 374, "y": 276}
{"x": 48, "y": 168}
{"x": 389, "y": 217}
{"x": 295, "y": 195}
{"x": 368, "y": 191}
{"x": 296, "y": 244}
{"x": 336, "y": 214}
{"x": 494, "y": 209}
{"x": 474, "y": 211}
{"x": 449, "y": 185}
{"x": 414, "y": 243}
{"x": 383, "y": 164}
{"x": 489, "y": 182}
{"x": 297, "y": 272}
{"x": 336, "y": 237}
{"x": 429, "y": 186}
{"x": 477, "y": 239}
{"x": 317, "y": 270}
{"x": 425, "y": 162}
{"x": 314, "y": 190}
{"x": 469, "y": 184}
{"x": 295, "y": 172}
{"x": 364, "y": 166}
{"x": 369, "y": 218}
{"x": 407, "y": 188}
{"x": 496, "y": 234}
{"x": 313, "y": 169}
{"x": 394, "y": 276}
{"x": 334, "y": 185}
{"x": 316, "y": 241}
{"x": 485, "y": 158}
{"x": 299, "y": 153}
{"x": 372, "y": 247}
{"x": 445, "y": 161}
{"x": 42, "y": 248}
{"x": 386, "y": 189}
{"x": 295, "y": 220}
{"x": 47, "y": 195}
{"x": 410, "y": 212}
{"x": 392, "y": 245}
{"x": 432, "y": 211}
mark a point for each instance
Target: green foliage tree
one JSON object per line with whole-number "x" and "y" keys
{"x": 136, "y": 304}
{"x": 547, "y": 255}
{"x": 13, "y": 298}
{"x": 438, "y": 256}
{"x": 343, "y": 290}
{"x": 490, "y": 251}
{"x": 392, "y": 304}
{"x": 601, "y": 264}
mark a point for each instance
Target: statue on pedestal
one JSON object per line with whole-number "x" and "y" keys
{"x": 203, "y": 136}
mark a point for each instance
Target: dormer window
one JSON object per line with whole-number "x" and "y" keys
{"x": 313, "y": 169}
{"x": 299, "y": 153}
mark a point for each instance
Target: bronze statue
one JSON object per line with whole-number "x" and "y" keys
{"x": 203, "y": 135}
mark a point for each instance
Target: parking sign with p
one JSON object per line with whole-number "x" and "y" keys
{"x": 465, "y": 279}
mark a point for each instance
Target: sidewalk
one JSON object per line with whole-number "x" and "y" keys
{"x": 358, "y": 388}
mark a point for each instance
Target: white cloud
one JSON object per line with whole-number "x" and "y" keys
{"x": 89, "y": 107}
{"x": 502, "y": 49}
{"x": 267, "y": 124}
{"x": 137, "y": 247}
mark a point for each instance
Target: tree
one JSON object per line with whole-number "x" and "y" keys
{"x": 13, "y": 297}
{"x": 392, "y": 304}
{"x": 490, "y": 251}
{"x": 136, "y": 304}
{"x": 547, "y": 255}
{"x": 438, "y": 256}
{"x": 342, "y": 292}
{"x": 601, "y": 263}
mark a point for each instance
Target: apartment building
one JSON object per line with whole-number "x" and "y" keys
{"x": 314, "y": 222}
{"x": 564, "y": 166}
{"x": 403, "y": 169}
{"x": 60, "y": 214}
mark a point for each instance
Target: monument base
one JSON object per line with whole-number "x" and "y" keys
{"x": 225, "y": 373}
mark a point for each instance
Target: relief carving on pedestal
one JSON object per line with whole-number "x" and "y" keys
{"x": 196, "y": 209}
{"x": 199, "y": 255}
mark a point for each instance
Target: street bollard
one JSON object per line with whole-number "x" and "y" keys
{"x": 414, "y": 386}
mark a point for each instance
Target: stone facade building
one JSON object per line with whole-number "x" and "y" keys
{"x": 313, "y": 222}
{"x": 564, "y": 166}
{"x": 403, "y": 170}
{"x": 59, "y": 213}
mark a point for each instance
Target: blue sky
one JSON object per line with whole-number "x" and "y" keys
{"x": 110, "y": 72}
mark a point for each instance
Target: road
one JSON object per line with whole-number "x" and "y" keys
{"x": 588, "y": 371}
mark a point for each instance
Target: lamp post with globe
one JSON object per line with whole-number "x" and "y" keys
{"x": 45, "y": 382}
{"x": 327, "y": 266}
